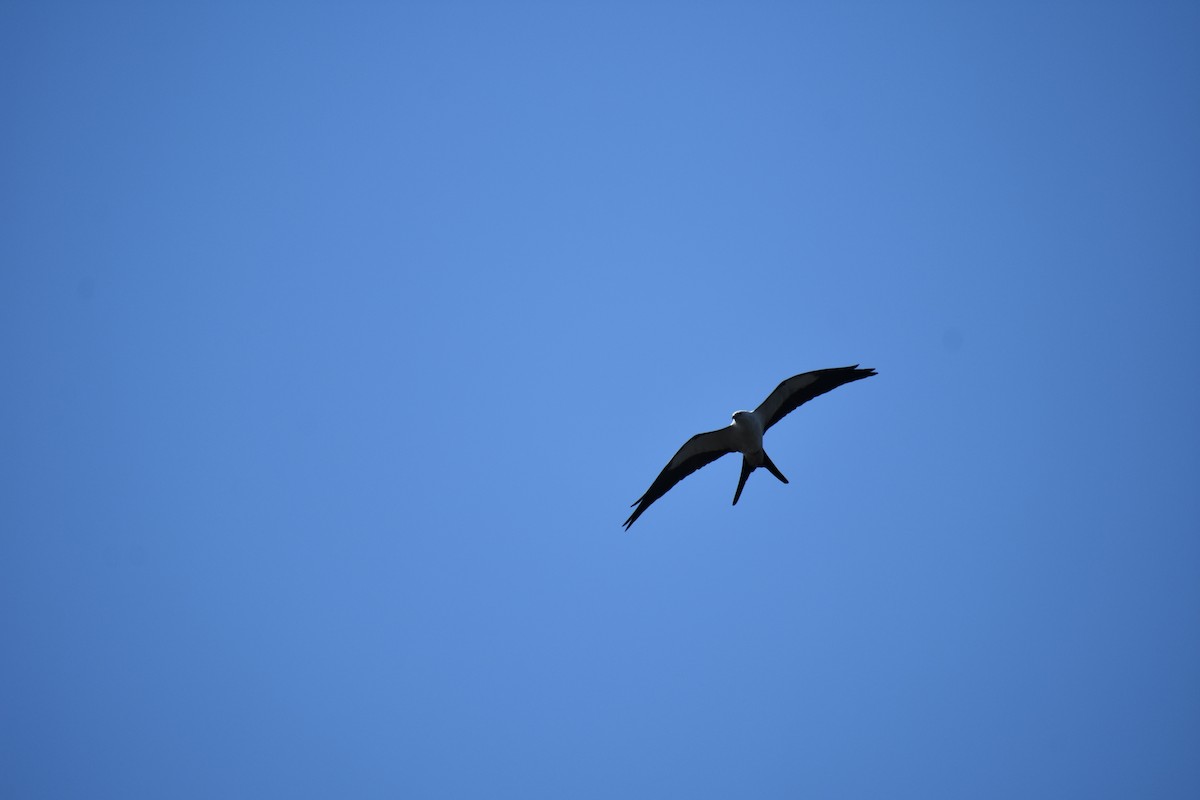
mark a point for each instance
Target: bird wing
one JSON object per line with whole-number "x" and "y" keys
{"x": 799, "y": 389}
{"x": 698, "y": 451}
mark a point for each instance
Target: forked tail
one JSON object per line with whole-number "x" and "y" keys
{"x": 747, "y": 469}
{"x": 770, "y": 465}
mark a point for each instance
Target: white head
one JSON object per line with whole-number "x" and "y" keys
{"x": 749, "y": 422}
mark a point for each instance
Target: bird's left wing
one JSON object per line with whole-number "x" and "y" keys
{"x": 799, "y": 389}
{"x": 698, "y": 451}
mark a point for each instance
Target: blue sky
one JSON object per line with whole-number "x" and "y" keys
{"x": 337, "y": 339}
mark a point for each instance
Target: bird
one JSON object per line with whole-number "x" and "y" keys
{"x": 745, "y": 434}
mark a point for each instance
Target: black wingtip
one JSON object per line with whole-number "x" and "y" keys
{"x": 859, "y": 372}
{"x": 633, "y": 517}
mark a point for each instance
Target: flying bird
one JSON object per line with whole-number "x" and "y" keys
{"x": 745, "y": 435}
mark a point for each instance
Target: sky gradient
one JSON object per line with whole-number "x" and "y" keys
{"x": 337, "y": 339}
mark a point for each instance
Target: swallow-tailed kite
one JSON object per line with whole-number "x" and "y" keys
{"x": 745, "y": 435}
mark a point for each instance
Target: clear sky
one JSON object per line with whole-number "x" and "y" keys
{"x": 336, "y": 340}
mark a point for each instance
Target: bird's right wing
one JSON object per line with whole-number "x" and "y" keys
{"x": 698, "y": 451}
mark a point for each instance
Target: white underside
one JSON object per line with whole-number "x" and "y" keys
{"x": 746, "y": 435}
